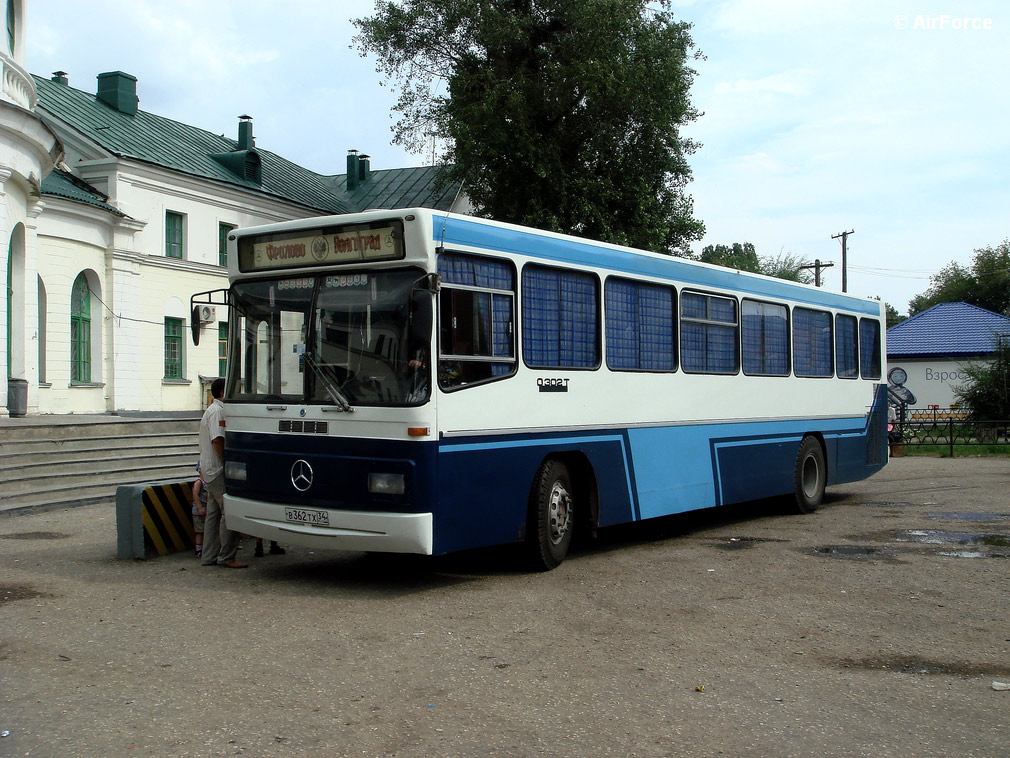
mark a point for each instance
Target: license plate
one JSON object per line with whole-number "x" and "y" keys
{"x": 306, "y": 516}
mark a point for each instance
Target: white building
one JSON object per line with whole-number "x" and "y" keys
{"x": 926, "y": 354}
{"x": 107, "y": 247}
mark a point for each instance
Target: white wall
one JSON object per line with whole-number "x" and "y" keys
{"x": 139, "y": 285}
{"x": 61, "y": 260}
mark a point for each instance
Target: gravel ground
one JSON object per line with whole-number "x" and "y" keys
{"x": 874, "y": 627}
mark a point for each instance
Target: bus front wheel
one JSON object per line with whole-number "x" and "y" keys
{"x": 810, "y": 476}
{"x": 551, "y": 515}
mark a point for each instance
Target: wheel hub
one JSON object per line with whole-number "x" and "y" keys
{"x": 811, "y": 476}
{"x": 559, "y": 512}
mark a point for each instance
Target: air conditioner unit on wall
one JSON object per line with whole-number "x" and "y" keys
{"x": 208, "y": 314}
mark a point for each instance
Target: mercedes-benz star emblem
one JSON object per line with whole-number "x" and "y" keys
{"x": 301, "y": 475}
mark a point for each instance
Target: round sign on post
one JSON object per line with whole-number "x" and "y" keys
{"x": 897, "y": 376}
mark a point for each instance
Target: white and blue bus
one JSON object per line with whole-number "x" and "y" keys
{"x": 423, "y": 382}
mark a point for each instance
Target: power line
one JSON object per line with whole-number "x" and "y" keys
{"x": 119, "y": 317}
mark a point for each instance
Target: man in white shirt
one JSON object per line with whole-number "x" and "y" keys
{"x": 220, "y": 544}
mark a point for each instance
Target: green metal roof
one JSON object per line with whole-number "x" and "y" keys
{"x": 397, "y": 188}
{"x": 59, "y": 183}
{"x": 180, "y": 147}
{"x": 187, "y": 149}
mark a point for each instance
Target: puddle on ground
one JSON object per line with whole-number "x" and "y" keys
{"x": 887, "y": 505}
{"x": 970, "y": 554}
{"x": 937, "y": 537}
{"x": 968, "y": 516}
{"x": 10, "y": 593}
{"x": 741, "y": 543}
{"x": 975, "y": 544}
{"x": 34, "y": 536}
{"x": 852, "y": 551}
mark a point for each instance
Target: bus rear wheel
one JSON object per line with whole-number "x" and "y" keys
{"x": 551, "y": 515}
{"x": 810, "y": 476}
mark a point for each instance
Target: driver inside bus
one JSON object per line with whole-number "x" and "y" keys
{"x": 418, "y": 337}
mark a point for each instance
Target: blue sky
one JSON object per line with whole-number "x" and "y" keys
{"x": 887, "y": 118}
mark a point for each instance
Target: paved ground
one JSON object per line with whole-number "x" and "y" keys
{"x": 875, "y": 627}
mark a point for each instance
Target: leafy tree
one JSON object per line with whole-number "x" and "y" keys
{"x": 986, "y": 283}
{"x": 787, "y": 266}
{"x": 986, "y": 393}
{"x": 739, "y": 256}
{"x": 559, "y": 114}
{"x": 892, "y": 315}
{"x": 743, "y": 257}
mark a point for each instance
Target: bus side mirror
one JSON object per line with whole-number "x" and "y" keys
{"x": 428, "y": 283}
{"x": 194, "y": 324}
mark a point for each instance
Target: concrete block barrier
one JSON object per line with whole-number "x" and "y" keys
{"x": 154, "y": 518}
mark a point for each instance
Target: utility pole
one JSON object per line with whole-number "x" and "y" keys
{"x": 817, "y": 266}
{"x": 845, "y": 271}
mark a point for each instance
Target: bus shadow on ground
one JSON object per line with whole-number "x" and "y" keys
{"x": 687, "y": 524}
{"x": 375, "y": 574}
{"x": 397, "y": 574}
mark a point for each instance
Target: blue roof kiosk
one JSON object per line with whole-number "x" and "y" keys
{"x": 926, "y": 353}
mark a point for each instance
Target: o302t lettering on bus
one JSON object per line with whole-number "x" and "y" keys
{"x": 552, "y": 385}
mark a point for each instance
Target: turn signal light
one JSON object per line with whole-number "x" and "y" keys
{"x": 417, "y": 431}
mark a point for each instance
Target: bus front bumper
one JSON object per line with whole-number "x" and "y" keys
{"x": 341, "y": 529}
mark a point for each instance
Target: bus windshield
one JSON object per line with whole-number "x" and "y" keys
{"x": 356, "y": 338}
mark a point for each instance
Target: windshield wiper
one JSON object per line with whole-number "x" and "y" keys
{"x": 331, "y": 389}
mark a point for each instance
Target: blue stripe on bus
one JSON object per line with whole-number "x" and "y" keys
{"x": 484, "y": 483}
{"x": 766, "y": 462}
{"x": 562, "y": 444}
{"x": 449, "y": 447}
{"x": 650, "y": 472}
{"x": 478, "y": 487}
{"x": 456, "y": 231}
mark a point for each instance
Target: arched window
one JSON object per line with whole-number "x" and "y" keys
{"x": 80, "y": 330}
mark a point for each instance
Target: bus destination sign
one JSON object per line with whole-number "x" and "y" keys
{"x": 323, "y": 248}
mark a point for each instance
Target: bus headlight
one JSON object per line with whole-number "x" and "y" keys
{"x": 385, "y": 484}
{"x": 235, "y": 470}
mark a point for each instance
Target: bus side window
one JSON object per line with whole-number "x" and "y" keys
{"x": 709, "y": 330}
{"x": 812, "y": 343}
{"x": 846, "y": 347}
{"x": 476, "y": 317}
{"x": 869, "y": 348}
{"x": 561, "y": 318}
{"x": 640, "y": 319}
{"x": 764, "y": 338}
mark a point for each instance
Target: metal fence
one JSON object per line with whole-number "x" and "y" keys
{"x": 949, "y": 427}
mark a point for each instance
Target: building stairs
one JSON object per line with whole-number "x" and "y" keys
{"x": 51, "y": 462}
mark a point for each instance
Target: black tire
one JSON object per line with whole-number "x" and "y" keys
{"x": 551, "y": 516}
{"x": 810, "y": 475}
